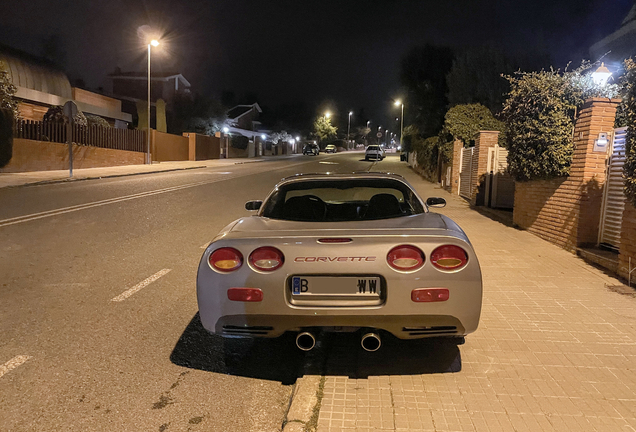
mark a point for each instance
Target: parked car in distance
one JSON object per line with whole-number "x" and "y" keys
{"x": 341, "y": 252}
{"x": 330, "y": 148}
{"x": 311, "y": 149}
{"x": 374, "y": 152}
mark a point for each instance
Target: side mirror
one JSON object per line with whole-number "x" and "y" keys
{"x": 253, "y": 205}
{"x": 436, "y": 202}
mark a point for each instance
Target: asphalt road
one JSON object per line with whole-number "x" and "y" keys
{"x": 73, "y": 359}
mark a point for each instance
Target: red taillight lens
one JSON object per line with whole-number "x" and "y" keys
{"x": 427, "y": 295}
{"x": 266, "y": 258}
{"x": 245, "y": 294}
{"x": 226, "y": 259}
{"x": 449, "y": 257}
{"x": 405, "y": 258}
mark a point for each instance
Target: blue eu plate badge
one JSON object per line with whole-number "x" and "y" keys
{"x": 296, "y": 285}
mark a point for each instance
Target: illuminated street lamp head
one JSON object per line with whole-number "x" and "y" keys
{"x": 398, "y": 102}
{"x": 601, "y": 75}
{"x": 297, "y": 138}
{"x": 263, "y": 136}
{"x": 154, "y": 43}
{"x": 327, "y": 114}
{"x": 350, "y": 113}
{"x": 226, "y": 130}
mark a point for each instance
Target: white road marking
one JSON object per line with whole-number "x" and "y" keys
{"x": 329, "y": 163}
{"x": 206, "y": 245}
{"x": 13, "y": 363}
{"x": 74, "y": 208}
{"x": 123, "y": 296}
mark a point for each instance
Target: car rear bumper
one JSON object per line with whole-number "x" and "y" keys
{"x": 401, "y": 326}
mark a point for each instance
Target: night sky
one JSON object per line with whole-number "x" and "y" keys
{"x": 299, "y": 51}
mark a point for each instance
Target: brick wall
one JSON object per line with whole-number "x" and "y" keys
{"x": 566, "y": 211}
{"x": 628, "y": 242}
{"x": 485, "y": 140}
{"x": 168, "y": 147}
{"x": 29, "y": 155}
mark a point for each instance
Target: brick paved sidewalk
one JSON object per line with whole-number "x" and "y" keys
{"x": 555, "y": 350}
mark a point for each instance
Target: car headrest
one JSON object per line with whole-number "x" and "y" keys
{"x": 383, "y": 206}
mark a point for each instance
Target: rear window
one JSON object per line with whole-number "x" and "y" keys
{"x": 342, "y": 200}
{"x": 373, "y": 147}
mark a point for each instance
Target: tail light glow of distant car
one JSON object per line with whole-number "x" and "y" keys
{"x": 449, "y": 257}
{"x": 266, "y": 258}
{"x": 226, "y": 260}
{"x": 405, "y": 258}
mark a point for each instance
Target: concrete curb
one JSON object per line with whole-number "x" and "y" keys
{"x": 305, "y": 400}
{"x": 74, "y": 179}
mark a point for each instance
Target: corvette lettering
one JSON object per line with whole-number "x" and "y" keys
{"x": 334, "y": 259}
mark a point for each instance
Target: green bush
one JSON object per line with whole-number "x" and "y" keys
{"x": 465, "y": 121}
{"x": 539, "y": 116}
{"x": 427, "y": 152}
{"x": 239, "y": 142}
{"x": 629, "y": 112}
{"x": 94, "y": 120}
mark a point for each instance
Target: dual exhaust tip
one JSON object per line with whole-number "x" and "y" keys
{"x": 307, "y": 341}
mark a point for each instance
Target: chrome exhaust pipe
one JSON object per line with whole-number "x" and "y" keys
{"x": 305, "y": 341}
{"x": 371, "y": 342}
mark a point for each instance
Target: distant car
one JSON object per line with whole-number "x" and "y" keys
{"x": 311, "y": 149}
{"x": 374, "y": 152}
{"x": 341, "y": 252}
{"x": 330, "y": 149}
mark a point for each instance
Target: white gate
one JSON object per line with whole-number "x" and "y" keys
{"x": 500, "y": 186}
{"x": 466, "y": 172}
{"x": 613, "y": 197}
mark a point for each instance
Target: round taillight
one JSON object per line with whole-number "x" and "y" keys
{"x": 226, "y": 259}
{"x": 405, "y": 258}
{"x": 266, "y": 258}
{"x": 449, "y": 257}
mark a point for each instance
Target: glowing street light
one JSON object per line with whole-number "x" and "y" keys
{"x": 327, "y": 114}
{"x": 226, "y": 129}
{"x": 601, "y": 75}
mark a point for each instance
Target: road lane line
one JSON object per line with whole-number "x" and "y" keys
{"x": 78, "y": 207}
{"x": 13, "y": 363}
{"x": 123, "y": 296}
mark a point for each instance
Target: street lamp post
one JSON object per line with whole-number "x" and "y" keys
{"x": 152, "y": 43}
{"x": 348, "y": 130}
{"x": 398, "y": 103}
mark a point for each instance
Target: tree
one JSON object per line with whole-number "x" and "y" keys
{"x": 476, "y": 77}
{"x": 7, "y": 92}
{"x": 195, "y": 113}
{"x": 423, "y": 74}
{"x": 281, "y": 136}
{"x": 465, "y": 121}
{"x": 323, "y": 129}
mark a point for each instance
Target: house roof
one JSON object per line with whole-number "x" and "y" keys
{"x": 154, "y": 76}
{"x": 34, "y": 73}
{"x": 240, "y": 110}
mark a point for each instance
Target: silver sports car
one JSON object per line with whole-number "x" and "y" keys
{"x": 341, "y": 252}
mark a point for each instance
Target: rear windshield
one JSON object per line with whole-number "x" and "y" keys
{"x": 342, "y": 200}
{"x": 373, "y": 147}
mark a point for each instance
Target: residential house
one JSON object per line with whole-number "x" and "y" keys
{"x": 619, "y": 45}
{"x": 41, "y": 85}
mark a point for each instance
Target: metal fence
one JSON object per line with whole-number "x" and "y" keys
{"x": 95, "y": 136}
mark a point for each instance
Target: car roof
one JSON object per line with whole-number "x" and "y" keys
{"x": 339, "y": 176}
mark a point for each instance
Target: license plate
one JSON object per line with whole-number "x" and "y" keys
{"x": 363, "y": 286}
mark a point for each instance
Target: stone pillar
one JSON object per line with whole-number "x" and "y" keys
{"x": 485, "y": 140}
{"x": 456, "y": 166}
{"x": 589, "y": 163}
